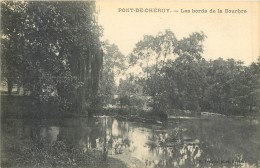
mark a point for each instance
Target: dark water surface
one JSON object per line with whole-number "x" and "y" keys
{"x": 211, "y": 142}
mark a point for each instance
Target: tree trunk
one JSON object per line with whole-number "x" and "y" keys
{"x": 9, "y": 86}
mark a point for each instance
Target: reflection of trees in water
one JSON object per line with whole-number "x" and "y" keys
{"x": 81, "y": 132}
{"x": 172, "y": 151}
{"x": 219, "y": 139}
{"x": 176, "y": 156}
{"x": 117, "y": 135}
{"x": 226, "y": 140}
{"x": 91, "y": 134}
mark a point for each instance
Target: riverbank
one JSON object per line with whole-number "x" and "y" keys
{"x": 17, "y": 106}
{"x": 155, "y": 117}
{"x": 27, "y": 153}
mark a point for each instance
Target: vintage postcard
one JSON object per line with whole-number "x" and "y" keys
{"x": 130, "y": 84}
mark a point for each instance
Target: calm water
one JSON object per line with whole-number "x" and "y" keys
{"x": 216, "y": 141}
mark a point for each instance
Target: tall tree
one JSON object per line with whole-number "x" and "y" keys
{"x": 168, "y": 64}
{"x": 113, "y": 67}
{"x": 59, "y": 50}
{"x": 12, "y": 41}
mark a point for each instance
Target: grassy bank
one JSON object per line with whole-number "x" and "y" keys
{"x": 133, "y": 114}
{"x": 23, "y": 153}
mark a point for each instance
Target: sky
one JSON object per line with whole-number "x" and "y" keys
{"x": 229, "y": 35}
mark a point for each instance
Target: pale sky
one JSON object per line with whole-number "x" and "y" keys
{"x": 229, "y": 35}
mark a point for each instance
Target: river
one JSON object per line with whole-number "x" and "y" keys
{"x": 200, "y": 142}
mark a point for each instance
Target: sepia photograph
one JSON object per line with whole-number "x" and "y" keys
{"x": 130, "y": 84}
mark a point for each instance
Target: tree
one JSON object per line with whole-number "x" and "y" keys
{"x": 113, "y": 66}
{"x": 171, "y": 68}
{"x": 12, "y": 41}
{"x": 130, "y": 92}
{"x": 184, "y": 84}
{"x": 223, "y": 84}
{"x": 247, "y": 88}
{"x": 58, "y": 48}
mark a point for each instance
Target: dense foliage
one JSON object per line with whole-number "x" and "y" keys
{"x": 176, "y": 75}
{"x": 52, "y": 50}
{"x": 113, "y": 67}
